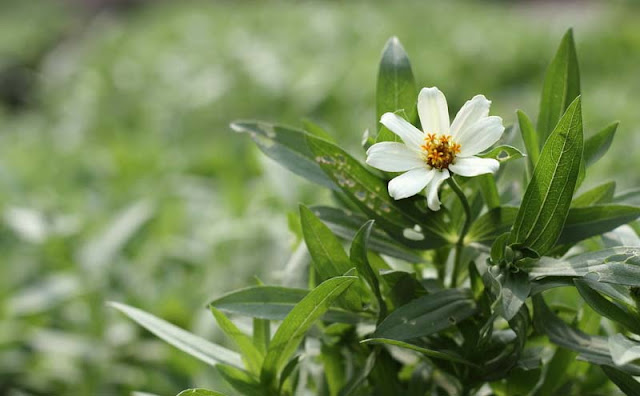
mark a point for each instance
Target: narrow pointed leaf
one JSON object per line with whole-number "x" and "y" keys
{"x": 583, "y": 223}
{"x": 396, "y": 88}
{"x": 275, "y": 303}
{"x": 561, "y": 87}
{"x": 619, "y": 265}
{"x": 261, "y": 334}
{"x": 195, "y": 346}
{"x": 345, "y": 224}
{"x": 200, "y": 392}
{"x": 597, "y": 195}
{"x": 359, "y": 259}
{"x": 251, "y": 355}
{"x": 489, "y": 190}
{"x": 328, "y": 256}
{"x": 628, "y": 197}
{"x": 294, "y": 327}
{"x": 427, "y": 315}
{"x": 515, "y": 291}
{"x": 594, "y": 349}
{"x": 448, "y": 356}
{"x": 240, "y": 380}
{"x": 620, "y": 313}
{"x": 548, "y": 196}
{"x": 360, "y": 377}
{"x": 625, "y": 382}
{"x": 597, "y": 145}
{"x": 503, "y": 153}
{"x": 530, "y": 138}
{"x": 287, "y": 146}
{"x": 623, "y": 350}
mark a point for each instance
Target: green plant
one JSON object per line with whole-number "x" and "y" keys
{"x": 495, "y": 291}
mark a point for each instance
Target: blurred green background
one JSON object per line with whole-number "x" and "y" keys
{"x": 121, "y": 180}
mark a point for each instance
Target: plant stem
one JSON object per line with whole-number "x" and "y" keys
{"x": 465, "y": 228}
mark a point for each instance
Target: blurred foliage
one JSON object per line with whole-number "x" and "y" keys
{"x": 121, "y": 180}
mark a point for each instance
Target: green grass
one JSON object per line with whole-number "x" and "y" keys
{"x": 122, "y": 181}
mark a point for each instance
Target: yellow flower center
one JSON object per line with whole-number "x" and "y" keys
{"x": 438, "y": 151}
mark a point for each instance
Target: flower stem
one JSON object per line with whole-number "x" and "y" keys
{"x": 465, "y": 228}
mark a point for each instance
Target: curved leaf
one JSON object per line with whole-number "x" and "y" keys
{"x": 274, "y": 303}
{"x": 448, "y": 356}
{"x": 396, "y": 89}
{"x": 287, "y": 146}
{"x": 548, "y": 196}
{"x": 294, "y": 327}
{"x": 427, "y": 315}
{"x": 328, "y": 256}
{"x": 597, "y": 145}
{"x": 561, "y": 87}
{"x": 195, "y": 346}
{"x": 619, "y": 265}
{"x": 345, "y": 224}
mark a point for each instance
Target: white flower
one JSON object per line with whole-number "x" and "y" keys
{"x": 429, "y": 157}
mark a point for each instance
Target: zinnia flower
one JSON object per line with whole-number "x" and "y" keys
{"x": 428, "y": 158}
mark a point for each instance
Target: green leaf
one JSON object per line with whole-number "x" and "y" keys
{"x": 597, "y": 145}
{"x": 625, "y": 382}
{"x": 287, "y": 374}
{"x": 328, "y": 257}
{"x": 448, "y": 356}
{"x": 583, "y": 223}
{"x": 195, "y": 346}
{"x": 354, "y": 383}
{"x": 548, "y": 196}
{"x": 369, "y": 192}
{"x": 594, "y": 349}
{"x": 251, "y": 355}
{"x": 261, "y": 334}
{"x": 623, "y": 350}
{"x": 489, "y": 190}
{"x": 199, "y": 392}
{"x": 555, "y": 371}
{"x": 275, "y": 303}
{"x": 292, "y": 330}
{"x": 288, "y": 147}
{"x": 620, "y": 313}
{"x": 515, "y": 291}
{"x": 396, "y": 89}
{"x": 315, "y": 129}
{"x": 346, "y": 224}
{"x": 530, "y": 138}
{"x": 427, "y": 315}
{"x": 618, "y": 265}
{"x": 359, "y": 259}
{"x": 333, "y": 362}
{"x": 241, "y": 380}
{"x": 629, "y": 197}
{"x": 597, "y": 195}
{"x": 561, "y": 87}
{"x": 503, "y": 153}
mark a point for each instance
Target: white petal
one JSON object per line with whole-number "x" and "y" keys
{"x": 433, "y": 111}
{"x": 479, "y": 136}
{"x": 474, "y": 166}
{"x": 410, "y": 135}
{"x": 410, "y": 183}
{"x": 472, "y": 111}
{"x": 433, "y": 202}
{"x": 393, "y": 157}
